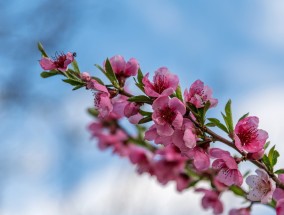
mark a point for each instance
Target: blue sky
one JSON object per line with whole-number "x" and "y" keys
{"x": 49, "y": 165}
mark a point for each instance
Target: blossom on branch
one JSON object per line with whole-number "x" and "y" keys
{"x": 60, "y": 62}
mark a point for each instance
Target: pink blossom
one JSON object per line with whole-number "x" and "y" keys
{"x": 199, "y": 157}
{"x": 168, "y": 164}
{"x": 141, "y": 158}
{"x": 152, "y": 134}
{"x": 261, "y": 187}
{"x": 185, "y": 137}
{"x": 279, "y": 193}
{"x": 227, "y": 167}
{"x": 199, "y": 95}
{"x": 102, "y": 98}
{"x": 124, "y": 69}
{"x": 240, "y": 211}
{"x": 131, "y": 111}
{"x": 164, "y": 83}
{"x": 247, "y": 135}
{"x": 280, "y": 207}
{"x": 168, "y": 115}
{"x": 85, "y": 76}
{"x": 61, "y": 62}
{"x": 211, "y": 199}
{"x": 182, "y": 181}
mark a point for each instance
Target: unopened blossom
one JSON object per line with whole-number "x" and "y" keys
{"x": 261, "y": 187}
{"x": 164, "y": 83}
{"x": 131, "y": 111}
{"x": 211, "y": 199}
{"x": 123, "y": 69}
{"x": 247, "y": 135}
{"x": 60, "y": 62}
{"x": 199, "y": 95}
{"x": 168, "y": 115}
{"x": 227, "y": 167}
{"x": 85, "y": 76}
{"x": 256, "y": 155}
{"x": 240, "y": 211}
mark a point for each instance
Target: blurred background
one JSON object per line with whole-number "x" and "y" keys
{"x": 49, "y": 165}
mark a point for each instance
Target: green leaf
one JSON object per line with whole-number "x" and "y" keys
{"x": 228, "y": 118}
{"x": 145, "y": 113}
{"x": 140, "y": 99}
{"x": 145, "y": 120}
{"x": 266, "y": 161}
{"x": 179, "y": 93}
{"x": 266, "y": 145}
{"x": 78, "y": 87}
{"x": 140, "y": 76}
{"x": 273, "y": 156}
{"x": 202, "y": 113}
{"x": 140, "y": 86}
{"x": 110, "y": 74}
{"x": 244, "y": 116}
{"x": 246, "y": 173}
{"x": 237, "y": 190}
{"x": 94, "y": 112}
{"x": 73, "y": 82}
{"x": 279, "y": 171}
{"x": 41, "y": 49}
{"x": 218, "y": 124}
{"x": 46, "y": 74}
{"x": 75, "y": 66}
{"x": 210, "y": 124}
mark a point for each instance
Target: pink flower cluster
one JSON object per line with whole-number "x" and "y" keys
{"x": 180, "y": 149}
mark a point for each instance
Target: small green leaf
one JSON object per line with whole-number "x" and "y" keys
{"x": 140, "y": 99}
{"x": 266, "y": 161}
{"x": 145, "y": 113}
{"x": 275, "y": 158}
{"x": 145, "y": 120}
{"x": 279, "y": 171}
{"x": 237, "y": 190}
{"x": 46, "y": 74}
{"x": 244, "y": 116}
{"x": 266, "y": 145}
{"x": 78, "y": 87}
{"x": 94, "y": 112}
{"x": 41, "y": 49}
{"x": 110, "y": 74}
{"x": 75, "y": 66}
{"x": 140, "y": 76}
{"x": 228, "y": 117}
{"x": 218, "y": 124}
{"x": 210, "y": 124}
{"x": 73, "y": 82}
{"x": 179, "y": 93}
{"x": 246, "y": 173}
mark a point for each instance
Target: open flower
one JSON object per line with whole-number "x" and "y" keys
{"x": 261, "y": 187}
{"x": 227, "y": 167}
{"x": 247, "y": 135}
{"x": 199, "y": 95}
{"x": 123, "y": 69}
{"x": 164, "y": 83}
{"x": 152, "y": 134}
{"x": 168, "y": 115}
{"x": 60, "y": 62}
{"x": 211, "y": 200}
{"x": 185, "y": 137}
{"x": 131, "y": 111}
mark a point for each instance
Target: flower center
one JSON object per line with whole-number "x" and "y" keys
{"x": 246, "y": 136}
{"x": 59, "y": 60}
{"x": 168, "y": 114}
{"x": 160, "y": 83}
